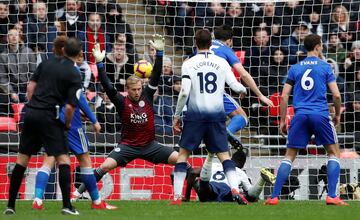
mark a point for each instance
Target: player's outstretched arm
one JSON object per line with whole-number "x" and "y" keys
{"x": 283, "y": 107}
{"x": 232, "y": 82}
{"x": 84, "y": 106}
{"x": 158, "y": 43}
{"x": 249, "y": 81}
{"x": 110, "y": 90}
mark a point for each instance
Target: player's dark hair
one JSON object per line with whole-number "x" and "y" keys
{"x": 73, "y": 47}
{"x": 203, "y": 39}
{"x": 223, "y": 32}
{"x": 59, "y": 44}
{"x": 311, "y": 41}
{"x": 239, "y": 157}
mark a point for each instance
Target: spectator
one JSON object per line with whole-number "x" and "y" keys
{"x": 315, "y": 25}
{"x": 258, "y": 55}
{"x": 115, "y": 24}
{"x": 352, "y": 66}
{"x": 166, "y": 79}
{"x": 85, "y": 72}
{"x": 290, "y": 14}
{"x": 20, "y": 28}
{"x": 339, "y": 80}
{"x": 164, "y": 108}
{"x": 340, "y": 21}
{"x": 73, "y": 19}
{"x": 325, "y": 7}
{"x": 118, "y": 66}
{"x": 235, "y": 18}
{"x": 273, "y": 76}
{"x": 17, "y": 64}
{"x": 99, "y": 7}
{"x": 266, "y": 18}
{"x": 60, "y": 27}
{"x": 353, "y": 60}
{"x": 183, "y": 20}
{"x": 127, "y": 39}
{"x": 294, "y": 45}
{"x": 107, "y": 116}
{"x": 94, "y": 34}
{"x": 210, "y": 16}
{"x": 36, "y": 29}
{"x": 150, "y": 55}
{"x": 6, "y": 23}
{"x": 334, "y": 50}
{"x": 20, "y": 10}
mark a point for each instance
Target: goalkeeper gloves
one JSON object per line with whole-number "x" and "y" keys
{"x": 158, "y": 42}
{"x": 98, "y": 54}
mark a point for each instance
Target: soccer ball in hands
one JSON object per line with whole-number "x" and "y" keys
{"x": 143, "y": 69}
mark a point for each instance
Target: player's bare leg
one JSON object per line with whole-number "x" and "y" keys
{"x": 333, "y": 173}
{"x": 89, "y": 180}
{"x": 230, "y": 172}
{"x": 282, "y": 175}
{"x": 180, "y": 175}
{"x": 173, "y": 158}
{"x": 238, "y": 121}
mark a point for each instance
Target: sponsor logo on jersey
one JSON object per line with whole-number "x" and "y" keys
{"x": 138, "y": 118}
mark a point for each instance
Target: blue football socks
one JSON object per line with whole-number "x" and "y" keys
{"x": 333, "y": 173}
{"x": 282, "y": 175}
{"x": 42, "y": 178}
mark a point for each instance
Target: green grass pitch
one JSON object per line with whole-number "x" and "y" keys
{"x": 148, "y": 210}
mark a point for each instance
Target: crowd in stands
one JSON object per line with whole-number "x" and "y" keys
{"x": 271, "y": 35}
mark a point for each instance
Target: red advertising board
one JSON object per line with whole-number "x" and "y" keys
{"x": 138, "y": 180}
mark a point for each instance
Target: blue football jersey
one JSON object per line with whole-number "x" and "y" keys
{"x": 76, "y": 121}
{"x": 309, "y": 79}
{"x": 225, "y": 52}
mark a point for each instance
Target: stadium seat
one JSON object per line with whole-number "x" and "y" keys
{"x": 274, "y": 112}
{"x": 241, "y": 55}
{"x": 289, "y": 115}
{"x": 275, "y": 98}
{"x": 7, "y": 124}
{"x": 17, "y": 108}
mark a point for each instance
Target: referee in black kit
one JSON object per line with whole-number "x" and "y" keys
{"x": 54, "y": 82}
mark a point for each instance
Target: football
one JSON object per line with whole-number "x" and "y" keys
{"x": 143, "y": 69}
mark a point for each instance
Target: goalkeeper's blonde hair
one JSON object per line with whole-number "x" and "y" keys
{"x": 133, "y": 79}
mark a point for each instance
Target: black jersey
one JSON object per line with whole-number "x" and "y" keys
{"x": 57, "y": 82}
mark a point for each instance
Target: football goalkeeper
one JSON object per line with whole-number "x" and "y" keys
{"x": 137, "y": 117}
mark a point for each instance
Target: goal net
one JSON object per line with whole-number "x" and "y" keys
{"x": 267, "y": 39}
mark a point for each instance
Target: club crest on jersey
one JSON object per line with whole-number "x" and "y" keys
{"x": 138, "y": 118}
{"x": 141, "y": 103}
